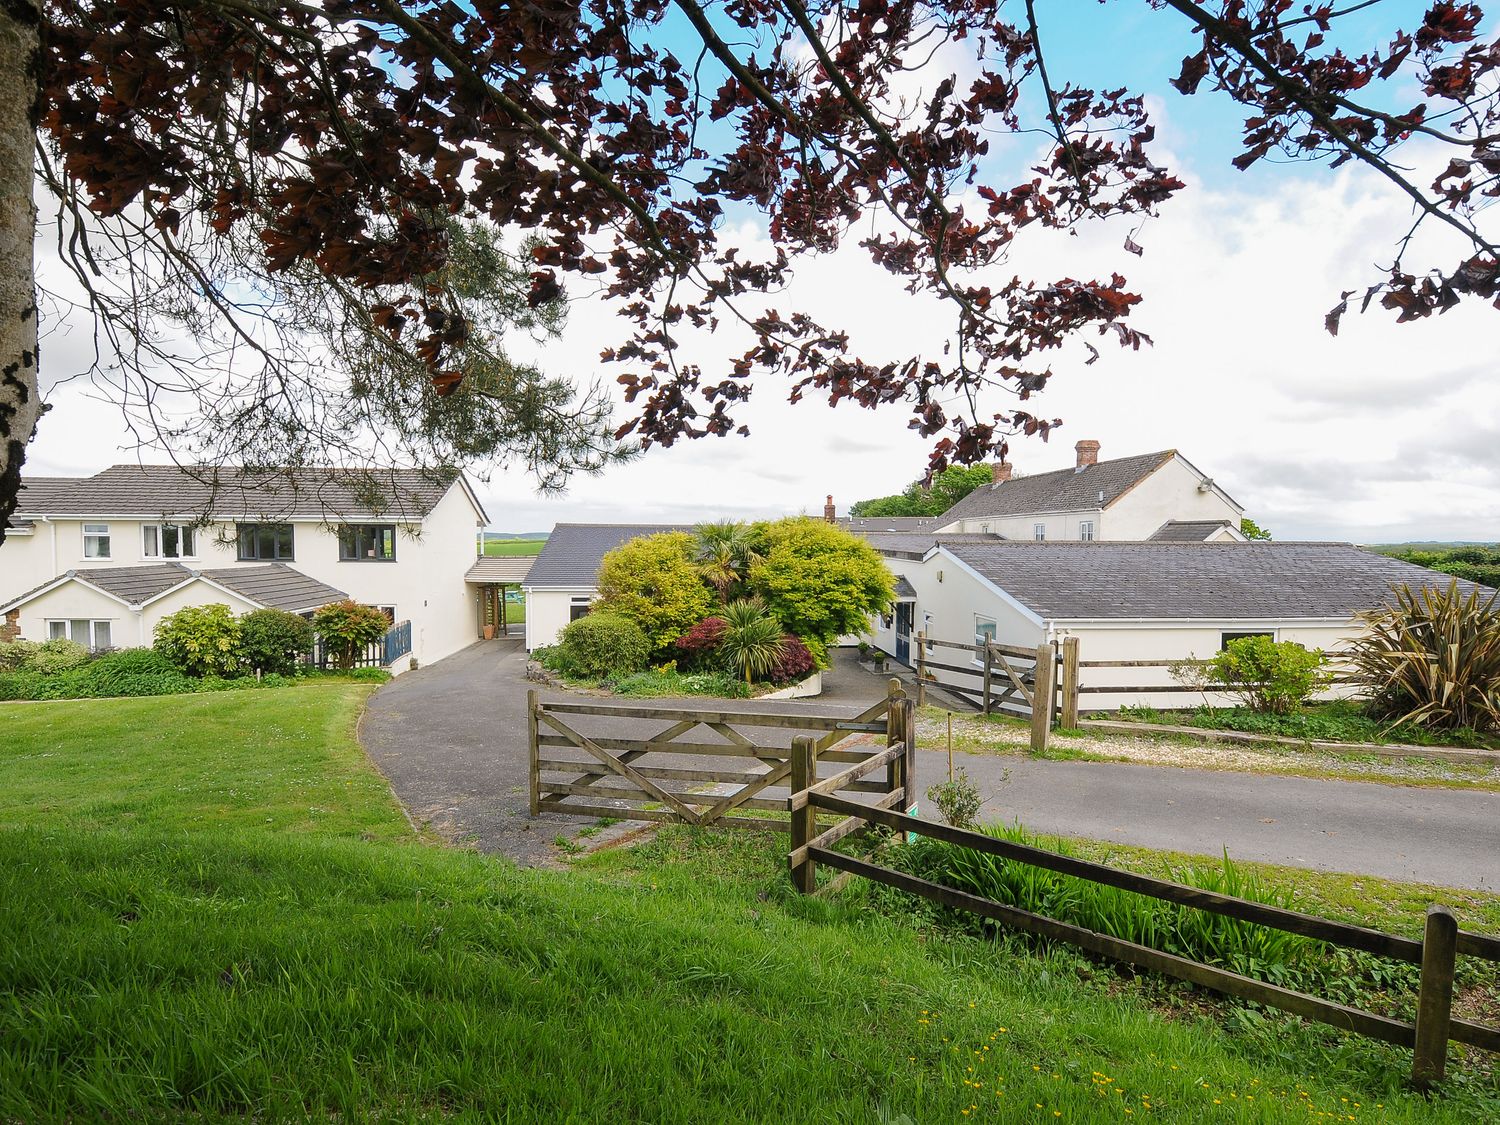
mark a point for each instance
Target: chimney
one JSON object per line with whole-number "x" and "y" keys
{"x": 1088, "y": 453}
{"x": 1001, "y": 471}
{"x": 829, "y": 512}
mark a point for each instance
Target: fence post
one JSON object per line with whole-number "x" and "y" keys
{"x": 1041, "y": 697}
{"x": 1435, "y": 999}
{"x": 909, "y": 761}
{"x": 921, "y": 667}
{"x": 895, "y": 699}
{"x": 533, "y": 752}
{"x": 988, "y": 670}
{"x": 1069, "y": 684}
{"x": 805, "y": 819}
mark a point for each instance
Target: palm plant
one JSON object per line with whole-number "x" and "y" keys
{"x": 752, "y": 642}
{"x": 1433, "y": 658}
{"x": 725, "y": 555}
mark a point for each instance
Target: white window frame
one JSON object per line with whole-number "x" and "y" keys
{"x": 1085, "y": 531}
{"x": 980, "y": 637}
{"x": 63, "y": 627}
{"x": 185, "y": 532}
{"x": 1038, "y": 533}
{"x": 99, "y": 533}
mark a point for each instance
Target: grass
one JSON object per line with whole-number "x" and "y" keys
{"x": 495, "y": 547}
{"x": 213, "y": 908}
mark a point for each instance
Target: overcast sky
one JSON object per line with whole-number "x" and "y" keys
{"x": 1387, "y": 433}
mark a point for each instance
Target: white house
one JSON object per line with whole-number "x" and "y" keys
{"x": 1126, "y": 602}
{"x": 102, "y": 559}
{"x": 564, "y": 579}
{"x": 1152, "y": 496}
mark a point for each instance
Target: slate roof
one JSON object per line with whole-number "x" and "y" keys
{"x": 861, "y": 525}
{"x": 915, "y": 544}
{"x": 1065, "y": 490}
{"x": 274, "y": 585}
{"x": 1186, "y": 531}
{"x": 904, "y": 589}
{"x": 506, "y": 569}
{"x": 1061, "y": 581}
{"x": 155, "y": 491}
{"x": 571, "y": 558}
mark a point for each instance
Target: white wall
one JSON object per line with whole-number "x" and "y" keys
{"x": 547, "y": 611}
{"x": 425, "y": 583}
{"x": 1146, "y": 640}
{"x": 1059, "y": 525}
{"x": 1170, "y": 493}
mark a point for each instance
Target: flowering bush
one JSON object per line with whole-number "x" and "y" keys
{"x": 347, "y": 627}
{"x": 201, "y": 640}
{"x": 699, "y": 643}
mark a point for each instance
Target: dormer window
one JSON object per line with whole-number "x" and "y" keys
{"x": 168, "y": 541}
{"x": 1039, "y": 532}
{"x": 1086, "y": 531}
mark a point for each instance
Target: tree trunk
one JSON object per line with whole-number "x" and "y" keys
{"x": 20, "y": 110}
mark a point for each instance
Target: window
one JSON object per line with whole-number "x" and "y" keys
{"x": 368, "y": 542}
{"x": 984, "y": 634}
{"x": 96, "y": 540}
{"x": 1086, "y": 531}
{"x": 168, "y": 541}
{"x": 578, "y": 607}
{"x": 94, "y": 635}
{"x": 985, "y": 528}
{"x": 388, "y": 610}
{"x": 1039, "y": 532}
{"x": 265, "y": 542}
{"x": 1225, "y": 638}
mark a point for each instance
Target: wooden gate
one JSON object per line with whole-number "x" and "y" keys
{"x": 705, "y": 767}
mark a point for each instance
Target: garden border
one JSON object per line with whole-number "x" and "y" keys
{"x": 1454, "y": 754}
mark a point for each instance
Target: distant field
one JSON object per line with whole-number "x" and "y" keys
{"x": 514, "y": 546}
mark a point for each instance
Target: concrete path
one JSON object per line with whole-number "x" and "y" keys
{"x": 452, "y": 739}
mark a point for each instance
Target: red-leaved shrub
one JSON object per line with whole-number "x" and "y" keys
{"x": 795, "y": 662}
{"x": 698, "y": 644}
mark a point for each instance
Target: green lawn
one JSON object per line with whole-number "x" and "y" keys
{"x": 211, "y": 907}
{"x": 514, "y": 546}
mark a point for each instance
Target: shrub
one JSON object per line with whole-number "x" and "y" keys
{"x": 958, "y": 800}
{"x": 1268, "y": 676}
{"x": 663, "y": 683}
{"x": 20, "y": 685}
{"x": 820, "y": 581}
{"x": 795, "y": 662}
{"x": 130, "y": 671}
{"x": 752, "y": 643}
{"x": 55, "y": 656}
{"x": 655, "y": 581}
{"x": 16, "y": 655}
{"x": 274, "y": 640}
{"x": 347, "y": 628}
{"x": 201, "y": 640}
{"x": 700, "y": 644}
{"x": 1432, "y": 659}
{"x": 602, "y": 644}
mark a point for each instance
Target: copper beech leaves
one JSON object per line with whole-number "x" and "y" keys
{"x": 342, "y": 135}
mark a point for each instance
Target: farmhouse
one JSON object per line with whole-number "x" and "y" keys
{"x": 1150, "y": 496}
{"x": 1127, "y": 602}
{"x": 102, "y": 559}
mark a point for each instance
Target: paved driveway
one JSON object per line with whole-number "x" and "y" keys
{"x": 452, "y": 740}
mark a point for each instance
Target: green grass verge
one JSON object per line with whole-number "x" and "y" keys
{"x": 211, "y": 907}
{"x": 1339, "y": 721}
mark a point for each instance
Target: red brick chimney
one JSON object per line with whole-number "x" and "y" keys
{"x": 829, "y": 512}
{"x": 1088, "y": 453}
{"x": 1001, "y": 471}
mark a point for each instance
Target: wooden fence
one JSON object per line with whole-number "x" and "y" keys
{"x": 1007, "y": 679}
{"x": 377, "y": 654}
{"x": 1129, "y": 685}
{"x": 671, "y": 771}
{"x": 1436, "y": 953}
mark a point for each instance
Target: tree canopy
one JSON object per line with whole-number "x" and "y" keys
{"x": 654, "y": 580}
{"x": 921, "y": 498}
{"x": 236, "y": 163}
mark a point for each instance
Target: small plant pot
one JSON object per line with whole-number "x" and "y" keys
{"x": 489, "y": 632}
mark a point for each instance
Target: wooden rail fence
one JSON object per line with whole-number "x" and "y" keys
{"x": 705, "y": 767}
{"x": 1428, "y": 1037}
{"x": 1011, "y": 680}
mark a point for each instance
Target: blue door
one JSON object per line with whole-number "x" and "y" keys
{"x": 905, "y": 612}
